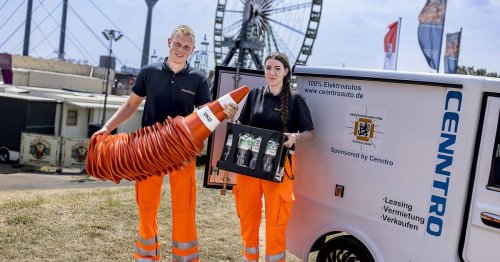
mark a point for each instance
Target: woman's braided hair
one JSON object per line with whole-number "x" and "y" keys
{"x": 286, "y": 92}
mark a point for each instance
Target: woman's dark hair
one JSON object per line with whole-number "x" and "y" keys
{"x": 286, "y": 92}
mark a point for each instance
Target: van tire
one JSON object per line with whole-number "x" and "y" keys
{"x": 4, "y": 155}
{"x": 344, "y": 249}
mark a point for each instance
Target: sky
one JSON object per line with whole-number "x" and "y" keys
{"x": 350, "y": 32}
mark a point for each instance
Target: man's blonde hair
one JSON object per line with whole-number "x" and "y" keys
{"x": 184, "y": 30}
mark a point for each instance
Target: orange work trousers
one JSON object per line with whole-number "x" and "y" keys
{"x": 184, "y": 238}
{"x": 278, "y": 198}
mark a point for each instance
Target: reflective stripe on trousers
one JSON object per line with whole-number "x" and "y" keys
{"x": 275, "y": 258}
{"x": 184, "y": 245}
{"x": 147, "y": 242}
{"x": 251, "y": 250}
{"x": 147, "y": 253}
{"x": 192, "y": 257}
{"x": 185, "y": 251}
{"x": 251, "y": 254}
{"x": 147, "y": 249}
{"x": 145, "y": 260}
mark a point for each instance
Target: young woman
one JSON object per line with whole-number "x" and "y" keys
{"x": 273, "y": 107}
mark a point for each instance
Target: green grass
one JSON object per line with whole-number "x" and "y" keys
{"x": 100, "y": 225}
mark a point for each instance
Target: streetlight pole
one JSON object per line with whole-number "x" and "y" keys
{"x": 110, "y": 35}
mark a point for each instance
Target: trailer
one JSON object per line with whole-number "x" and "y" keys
{"x": 404, "y": 167}
{"x": 23, "y": 113}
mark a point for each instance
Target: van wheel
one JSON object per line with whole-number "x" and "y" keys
{"x": 4, "y": 155}
{"x": 343, "y": 249}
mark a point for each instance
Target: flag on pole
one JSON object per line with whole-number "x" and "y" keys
{"x": 451, "y": 52}
{"x": 430, "y": 31}
{"x": 390, "y": 48}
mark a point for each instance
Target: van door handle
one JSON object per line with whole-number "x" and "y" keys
{"x": 490, "y": 219}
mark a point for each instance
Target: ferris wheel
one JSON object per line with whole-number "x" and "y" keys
{"x": 248, "y": 30}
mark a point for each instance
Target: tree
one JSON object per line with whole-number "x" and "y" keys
{"x": 470, "y": 70}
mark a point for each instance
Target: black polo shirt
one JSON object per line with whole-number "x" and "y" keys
{"x": 168, "y": 93}
{"x": 262, "y": 109}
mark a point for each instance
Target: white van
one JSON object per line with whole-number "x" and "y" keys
{"x": 404, "y": 167}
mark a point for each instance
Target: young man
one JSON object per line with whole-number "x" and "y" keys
{"x": 172, "y": 88}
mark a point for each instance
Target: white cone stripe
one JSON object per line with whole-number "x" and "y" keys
{"x": 226, "y": 99}
{"x": 208, "y": 118}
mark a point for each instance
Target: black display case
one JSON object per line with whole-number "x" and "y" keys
{"x": 254, "y": 152}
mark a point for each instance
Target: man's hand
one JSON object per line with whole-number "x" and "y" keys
{"x": 101, "y": 131}
{"x": 230, "y": 110}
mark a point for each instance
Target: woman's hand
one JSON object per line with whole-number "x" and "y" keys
{"x": 230, "y": 110}
{"x": 291, "y": 139}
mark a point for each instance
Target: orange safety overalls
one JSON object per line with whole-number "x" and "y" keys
{"x": 184, "y": 239}
{"x": 278, "y": 204}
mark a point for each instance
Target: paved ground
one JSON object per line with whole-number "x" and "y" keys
{"x": 15, "y": 177}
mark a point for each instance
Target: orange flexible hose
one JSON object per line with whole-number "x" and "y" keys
{"x": 157, "y": 149}
{"x": 149, "y": 151}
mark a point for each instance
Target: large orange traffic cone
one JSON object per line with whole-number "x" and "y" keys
{"x": 204, "y": 121}
{"x": 157, "y": 149}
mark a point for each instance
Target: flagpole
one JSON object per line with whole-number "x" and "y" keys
{"x": 442, "y": 33}
{"x": 397, "y": 45}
